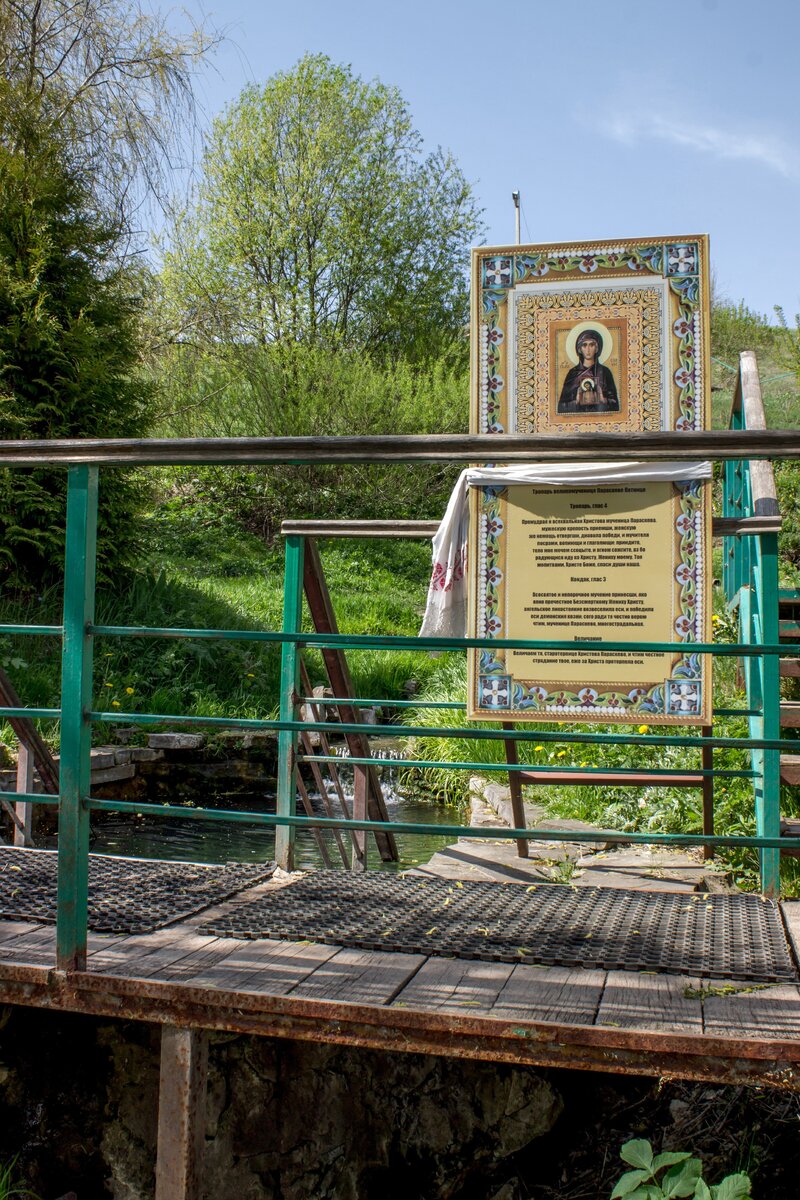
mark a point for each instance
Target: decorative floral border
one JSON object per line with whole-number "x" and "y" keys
{"x": 678, "y": 262}
{"x": 642, "y": 309}
{"x": 682, "y": 264}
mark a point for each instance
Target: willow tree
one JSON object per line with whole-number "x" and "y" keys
{"x": 94, "y": 95}
{"x": 112, "y": 85}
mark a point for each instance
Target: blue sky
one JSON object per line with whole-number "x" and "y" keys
{"x": 618, "y": 120}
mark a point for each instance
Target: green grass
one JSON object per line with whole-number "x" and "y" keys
{"x": 634, "y": 810}
{"x": 204, "y": 571}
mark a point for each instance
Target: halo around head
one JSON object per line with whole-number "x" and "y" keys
{"x": 577, "y": 330}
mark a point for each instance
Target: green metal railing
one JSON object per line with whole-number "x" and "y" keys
{"x": 750, "y": 580}
{"x": 753, "y": 567}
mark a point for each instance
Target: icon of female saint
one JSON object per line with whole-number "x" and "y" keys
{"x": 589, "y": 387}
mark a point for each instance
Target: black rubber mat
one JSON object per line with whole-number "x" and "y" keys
{"x": 126, "y": 895}
{"x": 722, "y": 936}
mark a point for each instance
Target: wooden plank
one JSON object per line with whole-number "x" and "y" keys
{"x": 324, "y": 618}
{"x": 762, "y": 477}
{"x": 640, "y": 1000}
{"x": 29, "y": 736}
{"x": 267, "y": 966}
{"x": 613, "y": 778}
{"x": 790, "y": 769}
{"x": 201, "y": 961}
{"x": 790, "y": 667}
{"x": 720, "y": 527}
{"x": 790, "y": 714}
{"x": 652, "y": 446}
{"x": 747, "y": 526}
{"x": 36, "y": 946}
{"x": 443, "y": 983}
{"x": 741, "y": 1010}
{"x": 515, "y": 789}
{"x": 361, "y": 976}
{"x": 10, "y": 931}
{"x": 568, "y": 995}
{"x": 360, "y": 529}
{"x": 23, "y": 812}
{"x": 144, "y": 956}
{"x": 790, "y": 912}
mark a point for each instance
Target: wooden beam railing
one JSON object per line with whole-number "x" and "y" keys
{"x": 719, "y": 445}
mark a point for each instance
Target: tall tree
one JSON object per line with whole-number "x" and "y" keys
{"x": 112, "y": 84}
{"x": 320, "y": 222}
{"x": 69, "y": 345}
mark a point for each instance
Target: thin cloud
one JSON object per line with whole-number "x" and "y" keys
{"x": 765, "y": 149}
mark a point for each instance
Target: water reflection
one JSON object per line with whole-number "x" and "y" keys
{"x": 187, "y": 839}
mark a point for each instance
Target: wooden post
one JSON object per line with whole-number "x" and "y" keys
{"x": 22, "y": 837}
{"x": 515, "y": 788}
{"x": 181, "y": 1113}
{"x": 361, "y": 783}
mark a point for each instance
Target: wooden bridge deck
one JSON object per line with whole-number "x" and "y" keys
{"x": 619, "y": 1021}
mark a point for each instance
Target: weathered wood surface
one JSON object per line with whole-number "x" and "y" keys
{"x": 361, "y": 976}
{"x": 736, "y": 1010}
{"x": 442, "y": 447}
{"x": 360, "y": 529}
{"x": 762, "y": 477}
{"x": 367, "y": 779}
{"x": 639, "y": 1000}
{"x": 790, "y": 769}
{"x": 669, "y": 1006}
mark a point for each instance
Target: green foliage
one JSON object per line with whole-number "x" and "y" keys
{"x": 787, "y": 480}
{"x": 208, "y": 573}
{"x": 319, "y": 221}
{"x": 68, "y": 351}
{"x": 734, "y": 328}
{"x": 10, "y": 1185}
{"x": 252, "y": 392}
{"x": 113, "y": 83}
{"x": 671, "y": 1174}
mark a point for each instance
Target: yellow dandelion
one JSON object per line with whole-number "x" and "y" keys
{"x": 561, "y": 754}
{"x": 115, "y": 703}
{"x": 538, "y": 747}
{"x": 128, "y": 691}
{"x": 108, "y": 685}
{"x": 644, "y": 728}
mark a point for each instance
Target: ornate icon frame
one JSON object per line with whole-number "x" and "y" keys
{"x": 651, "y": 297}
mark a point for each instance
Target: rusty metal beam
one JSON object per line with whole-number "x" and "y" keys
{"x": 767, "y": 1062}
{"x": 181, "y": 1113}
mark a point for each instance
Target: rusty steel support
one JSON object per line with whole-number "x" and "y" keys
{"x": 181, "y": 1113}
{"x": 768, "y": 1061}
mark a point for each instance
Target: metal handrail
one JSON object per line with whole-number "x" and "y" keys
{"x": 753, "y": 533}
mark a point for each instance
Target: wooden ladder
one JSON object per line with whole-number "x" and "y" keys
{"x": 368, "y": 800}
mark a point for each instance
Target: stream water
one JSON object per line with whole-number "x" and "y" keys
{"x": 194, "y": 840}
